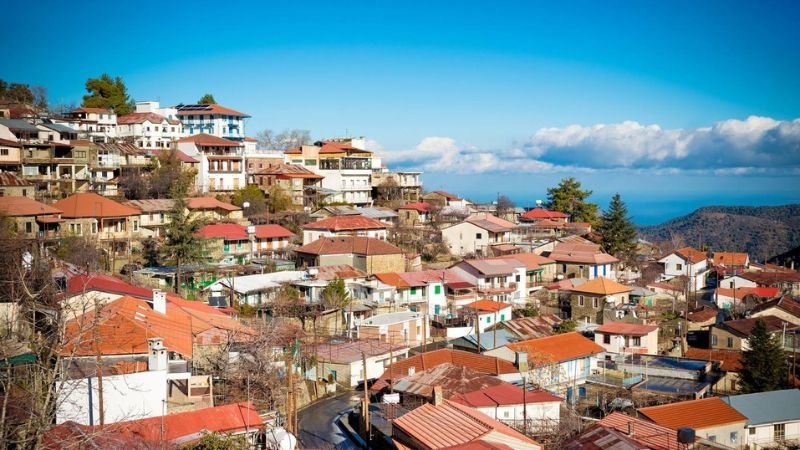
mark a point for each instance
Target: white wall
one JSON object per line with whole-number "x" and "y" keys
{"x": 310, "y": 236}
{"x": 125, "y": 397}
{"x": 764, "y": 434}
{"x": 462, "y": 238}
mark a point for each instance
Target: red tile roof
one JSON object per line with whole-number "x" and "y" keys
{"x": 123, "y": 327}
{"x": 697, "y": 414}
{"x": 703, "y": 314}
{"x": 447, "y": 195}
{"x": 207, "y": 140}
{"x": 556, "y": 348}
{"x": 450, "y": 425}
{"x": 421, "y": 207}
{"x": 9, "y": 143}
{"x": 652, "y": 435}
{"x": 91, "y": 110}
{"x": 25, "y": 206}
{"x": 744, "y": 327}
{"x": 731, "y": 258}
{"x": 504, "y": 394}
{"x": 580, "y": 253}
{"x": 346, "y": 223}
{"x": 145, "y": 117}
{"x": 209, "y": 203}
{"x": 284, "y": 170}
{"x": 79, "y": 284}
{"x": 89, "y": 204}
{"x": 532, "y": 261}
{"x": 627, "y": 329}
{"x": 488, "y": 306}
{"x": 423, "y": 361}
{"x": 490, "y": 223}
{"x": 771, "y": 278}
{"x": 602, "y": 286}
{"x": 213, "y": 108}
{"x": 229, "y": 231}
{"x": 335, "y": 147}
{"x": 272, "y": 231}
{"x": 785, "y": 303}
{"x": 541, "y": 213}
{"x": 349, "y": 244}
{"x": 730, "y": 360}
{"x": 690, "y": 254}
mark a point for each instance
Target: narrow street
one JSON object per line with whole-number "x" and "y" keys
{"x": 317, "y": 423}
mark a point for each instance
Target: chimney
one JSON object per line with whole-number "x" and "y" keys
{"x": 159, "y": 301}
{"x": 521, "y": 361}
{"x": 157, "y": 358}
{"x": 412, "y": 370}
{"x": 438, "y": 399}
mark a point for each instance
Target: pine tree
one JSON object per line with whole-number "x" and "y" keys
{"x": 107, "y": 92}
{"x": 335, "y": 296}
{"x": 181, "y": 244}
{"x": 764, "y": 365}
{"x": 568, "y": 198}
{"x": 207, "y": 99}
{"x": 619, "y": 233}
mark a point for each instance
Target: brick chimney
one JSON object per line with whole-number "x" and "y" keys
{"x": 438, "y": 399}
{"x": 159, "y": 301}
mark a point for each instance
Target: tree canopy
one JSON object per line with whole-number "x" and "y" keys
{"x": 618, "y": 231}
{"x": 181, "y": 244}
{"x": 568, "y": 198}
{"x": 764, "y": 366}
{"x": 207, "y": 99}
{"x": 253, "y": 196}
{"x": 107, "y": 92}
{"x": 279, "y": 199}
{"x": 284, "y": 140}
{"x": 24, "y": 93}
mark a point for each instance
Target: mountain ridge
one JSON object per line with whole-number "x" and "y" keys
{"x": 761, "y": 231}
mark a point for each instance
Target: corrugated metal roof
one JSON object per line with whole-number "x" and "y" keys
{"x": 19, "y": 124}
{"x": 767, "y": 407}
{"x": 654, "y": 436}
{"x": 697, "y": 414}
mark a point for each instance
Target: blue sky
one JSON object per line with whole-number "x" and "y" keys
{"x": 695, "y": 100}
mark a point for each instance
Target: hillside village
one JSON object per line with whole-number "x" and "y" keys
{"x": 169, "y": 281}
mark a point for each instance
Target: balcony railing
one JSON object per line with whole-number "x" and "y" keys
{"x": 497, "y": 288}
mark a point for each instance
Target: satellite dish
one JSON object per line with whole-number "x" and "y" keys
{"x": 246, "y": 205}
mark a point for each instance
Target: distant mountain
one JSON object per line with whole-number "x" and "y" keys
{"x": 761, "y": 231}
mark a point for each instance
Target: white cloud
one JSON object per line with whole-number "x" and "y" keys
{"x": 736, "y": 147}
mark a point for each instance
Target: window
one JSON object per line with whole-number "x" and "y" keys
{"x": 752, "y": 431}
{"x": 712, "y": 438}
{"x": 606, "y": 339}
{"x": 413, "y": 291}
{"x": 637, "y": 341}
{"x": 94, "y": 227}
{"x": 311, "y": 162}
{"x": 730, "y": 342}
{"x": 488, "y": 319}
{"x": 478, "y": 236}
{"x": 580, "y": 300}
{"x": 734, "y": 437}
{"x": 714, "y": 340}
{"x": 779, "y": 432}
{"x": 28, "y": 227}
{"x": 437, "y": 289}
{"x": 3, "y": 152}
{"x": 678, "y": 266}
{"x": 595, "y": 303}
{"x": 518, "y": 278}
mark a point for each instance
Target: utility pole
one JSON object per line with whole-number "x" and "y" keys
{"x": 290, "y": 388}
{"x": 525, "y": 404}
{"x": 98, "y": 361}
{"x": 365, "y": 411}
{"x": 478, "y": 329}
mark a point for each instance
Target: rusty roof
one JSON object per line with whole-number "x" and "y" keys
{"x": 600, "y": 437}
{"x": 151, "y": 204}
{"x": 287, "y": 170}
{"x": 698, "y": 414}
{"x": 557, "y": 348}
{"x": 627, "y": 329}
{"x": 502, "y": 394}
{"x": 730, "y": 360}
{"x": 744, "y": 327}
{"x": 12, "y": 179}
{"x": 350, "y": 352}
{"x": 423, "y": 361}
{"x": 346, "y": 223}
{"x": 451, "y": 425}
{"x": 452, "y": 378}
{"x": 208, "y": 140}
{"x": 532, "y": 327}
{"x": 785, "y": 303}
{"x": 580, "y": 252}
{"x": 771, "y": 278}
{"x": 654, "y": 436}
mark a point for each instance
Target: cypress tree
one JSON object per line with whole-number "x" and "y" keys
{"x": 618, "y": 231}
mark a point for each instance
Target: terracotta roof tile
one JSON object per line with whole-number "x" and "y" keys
{"x": 697, "y": 414}
{"x": 346, "y": 223}
{"x": 690, "y": 254}
{"x": 179, "y": 155}
{"x": 654, "y": 436}
{"x": 602, "y": 286}
{"x": 212, "y": 108}
{"x": 12, "y": 179}
{"x": 730, "y": 360}
{"x": 349, "y": 244}
{"x": 541, "y": 213}
{"x": 559, "y": 347}
{"x": 488, "y": 305}
{"x": 421, "y": 207}
{"x": 209, "y": 203}
{"x": 743, "y": 327}
{"x": 272, "y": 231}
{"x": 229, "y": 231}
{"x": 533, "y": 327}
{"x": 771, "y": 278}
{"x": 731, "y": 258}
{"x": 89, "y": 204}
{"x": 503, "y": 394}
{"x": 87, "y": 109}
{"x": 207, "y": 140}
{"x": 785, "y": 303}
{"x": 25, "y": 206}
{"x": 532, "y": 261}
{"x": 578, "y": 252}
{"x": 145, "y": 117}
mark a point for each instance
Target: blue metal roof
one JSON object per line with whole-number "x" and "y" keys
{"x": 767, "y": 407}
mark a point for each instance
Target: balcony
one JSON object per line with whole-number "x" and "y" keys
{"x": 500, "y": 288}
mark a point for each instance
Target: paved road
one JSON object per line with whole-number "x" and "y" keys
{"x": 318, "y": 429}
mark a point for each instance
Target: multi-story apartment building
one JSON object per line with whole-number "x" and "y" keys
{"x": 403, "y": 186}
{"x": 215, "y": 120}
{"x": 95, "y": 124}
{"x": 148, "y": 129}
{"x": 346, "y": 168}
{"x": 222, "y": 162}
{"x": 301, "y": 184}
